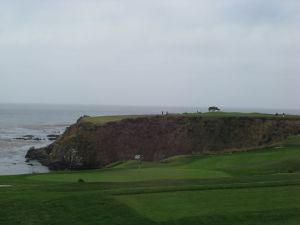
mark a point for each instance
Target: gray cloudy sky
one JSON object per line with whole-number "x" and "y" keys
{"x": 230, "y": 53}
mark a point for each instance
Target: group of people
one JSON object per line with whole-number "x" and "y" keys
{"x": 277, "y": 114}
{"x": 163, "y": 113}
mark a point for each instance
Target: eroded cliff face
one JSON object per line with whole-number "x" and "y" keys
{"x": 85, "y": 145}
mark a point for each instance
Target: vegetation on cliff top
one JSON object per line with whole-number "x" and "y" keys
{"x": 105, "y": 119}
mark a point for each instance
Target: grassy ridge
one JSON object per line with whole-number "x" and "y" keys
{"x": 254, "y": 188}
{"x": 105, "y": 119}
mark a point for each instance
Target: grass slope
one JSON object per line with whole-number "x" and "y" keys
{"x": 178, "y": 205}
{"x": 106, "y": 119}
{"x": 257, "y": 187}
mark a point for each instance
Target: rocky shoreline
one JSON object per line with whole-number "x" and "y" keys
{"x": 29, "y": 137}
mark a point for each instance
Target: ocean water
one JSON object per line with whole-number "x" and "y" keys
{"x": 18, "y": 120}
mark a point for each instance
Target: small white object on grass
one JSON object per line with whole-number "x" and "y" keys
{"x": 1, "y": 185}
{"x": 137, "y": 157}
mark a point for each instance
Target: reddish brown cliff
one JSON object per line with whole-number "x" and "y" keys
{"x": 86, "y": 145}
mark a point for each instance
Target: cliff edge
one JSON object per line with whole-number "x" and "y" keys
{"x": 91, "y": 144}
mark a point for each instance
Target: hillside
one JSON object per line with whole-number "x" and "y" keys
{"x": 251, "y": 188}
{"x": 94, "y": 142}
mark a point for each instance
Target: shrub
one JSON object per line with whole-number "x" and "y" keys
{"x": 80, "y": 180}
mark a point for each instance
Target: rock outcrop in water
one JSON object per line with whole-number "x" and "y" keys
{"x": 85, "y": 145}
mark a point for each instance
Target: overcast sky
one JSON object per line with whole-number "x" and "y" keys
{"x": 229, "y": 53}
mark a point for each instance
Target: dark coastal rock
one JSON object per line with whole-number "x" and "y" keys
{"x": 53, "y": 137}
{"x": 28, "y": 138}
{"x": 37, "y": 154}
{"x": 37, "y": 139}
{"x": 70, "y": 160}
{"x": 85, "y": 145}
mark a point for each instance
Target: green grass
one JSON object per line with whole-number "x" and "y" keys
{"x": 275, "y": 160}
{"x": 239, "y": 114}
{"x": 132, "y": 175}
{"x": 99, "y": 120}
{"x": 178, "y": 205}
{"x": 106, "y": 119}
{"x": 260, "y": 187}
